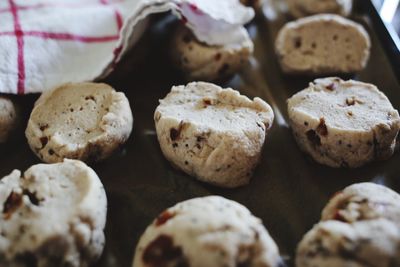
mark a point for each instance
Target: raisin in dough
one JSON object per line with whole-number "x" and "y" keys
{"x": 373, "y": 243}
{"x": 52, "y": 215}
{"x": 304, "y": 8}
{"x": 344, "y": 123}
{"x": 364, "y": 201}
{"x": 322, "y": 44}
{"x": 206, "y": 232}
{"x": 212, "y": 133}
{"x": 8, "y": 118}
{"x": 85, "y": 121}
{"x": 202, "y": 62}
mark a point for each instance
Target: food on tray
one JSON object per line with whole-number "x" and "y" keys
{"x": 214, "y": 134}
{"x": 344, "y": 123}
{"x": 52, "y": 215}
{"x": 210, "y": 231}
{"x": 373, "y": 243}
{"x": 199, "y": 61}
{"x": 322, "y": 44}
{"x": 8, "y": 117}
{"x": 85, "y": 121}
{"x": 364, "y": 201}
{"x": 303, "y": 8}
{"x": 360, "y": 228}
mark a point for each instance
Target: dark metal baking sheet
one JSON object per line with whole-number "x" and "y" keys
{"x": 287, "y": 191}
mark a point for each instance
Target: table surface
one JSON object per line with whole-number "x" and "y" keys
{"x": 390, "y": 12}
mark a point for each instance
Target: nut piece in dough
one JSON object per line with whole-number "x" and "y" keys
{"x": 322, "y": 44}
{"x": 344, "y": 123}
{"x": 85, "y": 121}
{"x": 373, "y": 243}
{"x": 363, "y": 201}
{"x": 8, "y": 117}
{"x": 214, "y": 134}
{"x": 304, "y": 8}
{"x": 202, "y": 62}
{"x": 52, "y": 215}
{"x": 210, "y": 231}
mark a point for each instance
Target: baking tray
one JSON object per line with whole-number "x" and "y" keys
{"x": 287, "y": 191}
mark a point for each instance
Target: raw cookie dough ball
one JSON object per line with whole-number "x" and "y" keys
{"x": 199, "y": 61}
{"x": 336, "y": 244}
{"x": 344, "y": 123}
{"x": 214, "y": 134}
{"x": 206, "y": 232}
{"x": 364, "y": 201}
{"x": 304, "y": 8}
{"x": 8, "y": 117}
{"x": 85, "y": 121}
{"x": 53, "y": 215}
{"x": 322, "y": 44}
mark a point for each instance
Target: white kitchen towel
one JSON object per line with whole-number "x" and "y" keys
{"x": 46, "y": 43}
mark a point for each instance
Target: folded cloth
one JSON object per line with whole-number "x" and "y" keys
{"x": 46, "y": 43}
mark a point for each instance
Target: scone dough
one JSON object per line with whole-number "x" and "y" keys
{"x": 201, "y": 62}
{"x": 344, "y": 123}
{"x": 304, "y": 8}
{"x": 52, "y": 215}
{"x": 322, "y": 44}
{"x": 373, "y": 243}
{"x": 85, "y": 121}
{"x": 363, "y": 201}
{"x": 210, "y": 231}
{"x": 8, "y": 117}
{"x": 214, "y": 134}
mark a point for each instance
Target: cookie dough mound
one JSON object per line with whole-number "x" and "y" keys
{"x": 53, "y": 215}
{"x": 304, "y": 8}
{"x": 322, "y": 44}
{"x": 199, "y": 61}
{"x": 214, "y": 134}
{"x": 8, "y": 118}
{"x": 210, "y": 231}
{"x": 366, "y": 243}
{"x": 364, "y": 201}
{"x": 85, "y": 121}
{"x": 344, "y": 123}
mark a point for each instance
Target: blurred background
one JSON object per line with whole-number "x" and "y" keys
{"x": 390, "y": 12}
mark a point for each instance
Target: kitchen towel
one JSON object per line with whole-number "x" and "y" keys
{"x": 44, "y": 44}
